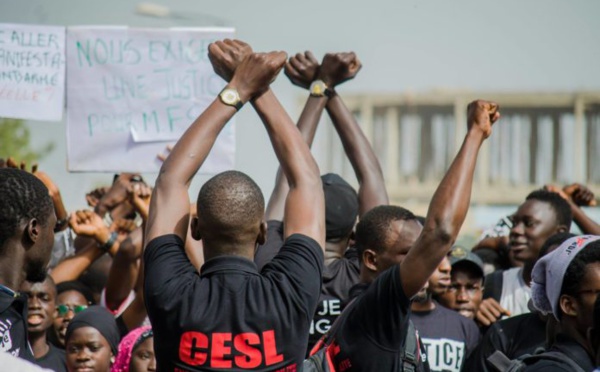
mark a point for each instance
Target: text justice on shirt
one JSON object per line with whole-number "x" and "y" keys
{"x": 196, "y": 349}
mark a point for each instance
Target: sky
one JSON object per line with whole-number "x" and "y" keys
{"x": 405, "y": 46}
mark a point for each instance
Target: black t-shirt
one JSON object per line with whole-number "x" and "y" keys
{"x": 231, "y": 317}
{"x": 448, "y": 337}
{"x": 54, "y": 360}
{"x": 372, "y": 335}
{"x": 516, "y": 336}
{"x": 572, "y": 350}
{"x": 338, "y": 277}
{"x": 13, "y": 324}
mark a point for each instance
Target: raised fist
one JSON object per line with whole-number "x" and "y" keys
{"x": 226, "y": 56}
{"x": 139, "y": 196}
{"x": 256, "y": 72}
{"x": 87, "y": 223}
{"x": 302, "y": 69}
{"x": 93, "y": 197}
{"x": 580, "y": 194}
{"x": 482, "y": 115}
{"x": 337, "y": 68}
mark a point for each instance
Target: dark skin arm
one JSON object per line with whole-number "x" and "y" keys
{"x": 301, "y": 69}
{"x": 450, "y": 202}
{"x": 90, "y": 225}
{"x": 335, "y": 69}
{"x": 578, "y": 195}
{"x": 124, "y": 270}
{"x": 305, "y": 205}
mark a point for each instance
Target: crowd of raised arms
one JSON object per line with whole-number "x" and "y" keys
{"x": 320, "y": 278}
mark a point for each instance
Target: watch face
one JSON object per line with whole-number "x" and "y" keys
{"x": 318, "y": 88}
{"x": 230, "y": 96}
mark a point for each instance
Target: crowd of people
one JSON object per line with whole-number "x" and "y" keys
{"x": 320, "y": 278}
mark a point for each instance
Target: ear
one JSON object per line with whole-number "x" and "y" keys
{"x": 33, "y": 230}
{"x": 195, "y": 228}
{"x": 568, "y": 305}
{"x": 262, "y": 233}
{"x": 369, "y": 259}
{"x": 112, "y": 359}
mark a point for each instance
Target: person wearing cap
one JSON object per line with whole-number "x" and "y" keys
{"x": 519, "y": 335}
{"x": 565, "y": 285}
{"x": 92, "y": 340}
{"x": 466, "y": 283}
{"x": 448, "y": 337}
{"x": 343, "y": 206}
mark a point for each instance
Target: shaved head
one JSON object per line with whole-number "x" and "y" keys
{"x": 231, "y": 207}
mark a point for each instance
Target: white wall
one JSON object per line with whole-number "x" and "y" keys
{"x": 416, "y": 45}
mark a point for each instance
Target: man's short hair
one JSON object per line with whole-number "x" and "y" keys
{"x": 22, "y": 198}
{"x": 562, "y": 210}
{"x": 230, "y": 203}
{"x": 76, "y": 286}
{"x": 373, "y": 227}
{"x": 577, "y": 268}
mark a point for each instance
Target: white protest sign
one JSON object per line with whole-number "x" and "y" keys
{"x": 132, "y": 91}
{"x": 32, "y": 71}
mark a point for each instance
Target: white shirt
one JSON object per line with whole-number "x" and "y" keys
{"x": 515, "y": 292}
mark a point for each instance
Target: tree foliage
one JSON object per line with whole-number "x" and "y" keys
{"x": 15, "y": 140}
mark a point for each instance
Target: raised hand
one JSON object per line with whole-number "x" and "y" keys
{"x": 337, "y": 68}
{"x": 557, "y": 190}
{"x": 117, "y": 193}
{"x": 139, "y": 196}
{"x": 123, "y": 227}
{"x": 580, "y": 194}
{"x": 256, "y": 73}
{"x": 302, "y": 69}
{"x": 87, "y": 223}
{"x": 162, "y": 156}
{"x": 93, "y": 197}
{"x": 226, "y": 56}
{"x": 482, "y": 115}
{"x": 490, "y": 311}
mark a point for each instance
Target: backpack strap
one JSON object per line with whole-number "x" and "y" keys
{"x": 410, "y": 352}
{"x": 499, "y": 361}
{"x": 493, "y": 285}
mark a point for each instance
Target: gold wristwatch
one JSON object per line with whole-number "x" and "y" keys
{"x": 231, "y": 97}
{"x": 318, "y": 88}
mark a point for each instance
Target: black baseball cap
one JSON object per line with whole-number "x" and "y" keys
{"x": 341, "y": 206}
{"x": 460, "y": 254}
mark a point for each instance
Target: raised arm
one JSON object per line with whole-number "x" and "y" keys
{"x": 577, "y": 195}
{"x": 336, "y": 69}
{"x": 302, "y": 70}
{"x": 450, "y": 202}
{"x": 169, "y": 205}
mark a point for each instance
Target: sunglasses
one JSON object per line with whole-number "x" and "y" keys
{"x": 64, "y": 309}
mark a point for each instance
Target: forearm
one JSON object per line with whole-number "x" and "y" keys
{"x": 372, "y": 190}
{"x": 449, "y": 205}
{"x": 194, "y": 146}
{"x": 307, "y": 125}
{"x": 583, "y": 221}
{"x": 60, "y": 211}
{"x": 124, "y": 270}
{"x": 72, "y": 267}
{"x": 294, "y": 156}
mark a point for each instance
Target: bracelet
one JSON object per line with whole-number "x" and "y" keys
{"x": 109, "y": 243}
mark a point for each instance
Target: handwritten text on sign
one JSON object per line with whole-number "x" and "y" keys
{"x": 137, "y": 87}
{"x": 32, "y": 71}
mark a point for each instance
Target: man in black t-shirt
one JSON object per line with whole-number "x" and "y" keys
{"x": 230, "y": 316}
{"x": 27, "y": 222}
{"x": 398, "y": 255}
{"x": 41, "y": 303}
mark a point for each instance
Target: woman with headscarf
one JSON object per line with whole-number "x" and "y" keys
{"x": 136, "y": 352}
{"x": 91, "y": 340}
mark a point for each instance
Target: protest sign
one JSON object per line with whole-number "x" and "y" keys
{"x": 32, "y": 71}
{"x": 131, "y": 91}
